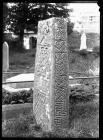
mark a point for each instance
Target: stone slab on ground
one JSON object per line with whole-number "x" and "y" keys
{"x": 12, "y": 90}
{"x": 21, "y": 77}
{"x": 26, "y": 79}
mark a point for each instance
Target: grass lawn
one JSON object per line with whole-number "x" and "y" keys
{"x": 20, "y": 61}
{"x": 83, "y": 121}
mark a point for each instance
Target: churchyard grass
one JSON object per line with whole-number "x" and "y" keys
{"x": 83, "y": 122}
{"x": 21, "y": 60}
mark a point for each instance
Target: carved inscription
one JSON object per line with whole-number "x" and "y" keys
{"x": 61, "y": 92}
{"x": 43, "y": 70}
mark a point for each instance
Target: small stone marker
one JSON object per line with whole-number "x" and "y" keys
{"x": 5, "y": 56}
{"x": 51, "y": 93}
{"x": 26, "y": 43}
{"x": 83, "y": 42}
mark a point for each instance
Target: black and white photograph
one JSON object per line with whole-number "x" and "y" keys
{"x": 50, "y": 70}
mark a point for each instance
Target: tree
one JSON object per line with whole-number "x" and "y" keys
{"x": 5, "y": 14}
{"x": 70, "y": 26}
{"x": 17, "y": 19}
{"x": 25, "y": 15}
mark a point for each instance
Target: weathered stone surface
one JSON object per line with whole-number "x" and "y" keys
{"x": 60, "y": 23}
{"x": 60, "y": 34}
{"x": 60, "y": 46}
{"x": 61, "y": 57}
{"x": 60, "y": 92}
{"x": 50, "y": 100}
{"x": 61, "y": 81}
{"x": 5, "y": 56}
{"x": 60, "y": 69}
{"x": 61, "y": 108}
{"x": 61, "y": 64}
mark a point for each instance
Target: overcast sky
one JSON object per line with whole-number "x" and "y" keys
{"x": 84, "y": 7}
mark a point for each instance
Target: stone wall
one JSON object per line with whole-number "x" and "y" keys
{"x": 50, "y": 100}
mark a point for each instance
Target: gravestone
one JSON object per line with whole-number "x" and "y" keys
{"x": 26, "y": 43}
{"x": 5, "y": 56}
{"x": 83, "y": 42}
{"x": 51, "y": 93}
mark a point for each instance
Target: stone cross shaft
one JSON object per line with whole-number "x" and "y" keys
{"x": 51, "y": 93}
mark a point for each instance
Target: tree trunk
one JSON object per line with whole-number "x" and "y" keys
{"x": 21, "y": 38}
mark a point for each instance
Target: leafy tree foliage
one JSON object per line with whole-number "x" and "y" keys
{"x": 5, "y": 14}
{"x": 25, "y": 15}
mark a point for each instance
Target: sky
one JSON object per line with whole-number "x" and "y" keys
{"x": 84, "y": 7}
{"x": 80, "y": 10}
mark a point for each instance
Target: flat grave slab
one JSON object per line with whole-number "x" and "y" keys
{"x": 16, "y": 87}
{"x": 27, "y": 81}
{"x": 21, "y": 77}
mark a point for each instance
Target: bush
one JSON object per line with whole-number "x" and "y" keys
{"x": 70, "y": 26}
{"x": 86, "y": 92}
{"x": 18, "y": 97}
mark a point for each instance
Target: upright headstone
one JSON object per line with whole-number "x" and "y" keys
{"x": 26, "y": 43}
{"x": 83, "y": 42}
{"x": 51, "y": 93}
{"x": 5, "y": 56}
